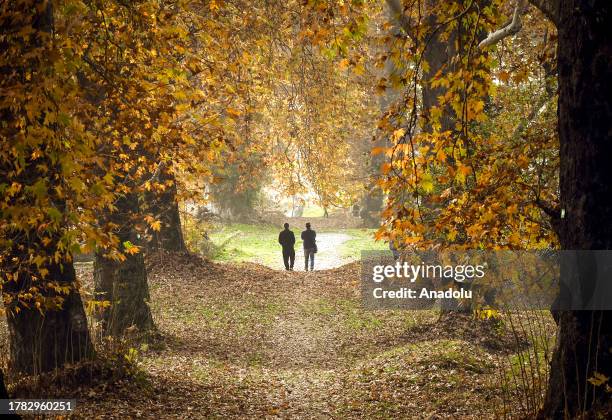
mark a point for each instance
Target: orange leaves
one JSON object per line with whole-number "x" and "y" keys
{"x": 504, "y": 76}
{"x": 130, "y": 249}
{"x": 233, "y": 112}
{"x": 398, "y": 134}
{"x": 386, "y": 168}
{"x": 154, "y": 224}
{"x": 468, "y": 177}
{"x": 379, "y": 150}
{"x": 462, "y": 172}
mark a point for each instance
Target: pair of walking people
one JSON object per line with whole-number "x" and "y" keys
{"x": 287, "y": 240}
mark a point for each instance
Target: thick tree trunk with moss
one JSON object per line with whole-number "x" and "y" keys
{"x": 164, "y": 207}
{"x": 123, "y": 283}
{"x": 584, "y": 344}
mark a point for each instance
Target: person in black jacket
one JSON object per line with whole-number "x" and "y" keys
{"x": 287, "y": 240}
{"x": 310, "y": 246}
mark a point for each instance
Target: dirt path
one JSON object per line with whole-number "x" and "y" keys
{"x": 245, "y": 341}
{"x": 328, "y": 256}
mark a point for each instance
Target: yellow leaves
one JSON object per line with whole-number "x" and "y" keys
{"x": 154, "y": 224}
{"x": 411, "y": 240}
{"x": 359, "y": 69}
{"x": 514, "y": 239}
{"x": 440, "y": 82}
{"x": 426, "y": 183}
{"x": 487, "y": 313}
{"x": 13, "y": 189}
{"x": 39, "y": 260}
{"x": 475, "y": 110}
{"x": 398, "y": 134}
{"x": 598, "y": 379}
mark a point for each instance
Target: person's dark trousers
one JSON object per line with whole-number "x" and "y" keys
{"x": 288, "y": 258}
{"x": 309, "y": 253}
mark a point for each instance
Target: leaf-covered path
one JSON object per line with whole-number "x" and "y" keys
{"x": 245, "y": 341}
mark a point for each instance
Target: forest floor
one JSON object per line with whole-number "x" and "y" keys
{"x": 246, "y": 341}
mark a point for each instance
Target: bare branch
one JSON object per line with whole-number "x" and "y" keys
{"x": 512, "y": 28}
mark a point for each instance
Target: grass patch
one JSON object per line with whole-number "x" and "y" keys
{"x": 259, "y": 243}
{"x": 361, "y": 240}
{"x": 243, "y": 315}
{"x": 241, "y": 242}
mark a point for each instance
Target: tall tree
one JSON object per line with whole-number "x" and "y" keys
{"x": 46, "y": 319}
{"x": 584, "y": 47}
{"x": 585, "y": 122}
{"x": 121, "y": 279}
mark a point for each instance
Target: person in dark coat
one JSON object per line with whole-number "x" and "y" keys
{"x": 287, "y": 240}
{"x": 310, "y": 246}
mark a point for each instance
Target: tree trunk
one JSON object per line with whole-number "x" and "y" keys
{"x": 40, "y": 342}
{"x": 3, "y": 392}
{"x": 164, "y": 207}
{"x": 584, "y": 339}
{"x": 123, "y": 283}
{"x": 5, "y": 396}
{"x": 35, "y": 267}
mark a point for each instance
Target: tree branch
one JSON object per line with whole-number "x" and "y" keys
{"x": 512, "y": 28}
{"x": 552, "y": 211}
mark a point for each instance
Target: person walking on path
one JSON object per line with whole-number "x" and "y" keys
{"x": 287, "y": 240}
{"x": 310, "y": 246}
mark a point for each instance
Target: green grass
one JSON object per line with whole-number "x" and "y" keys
{"x": 241, "y": 242}
{"x": 362, "y": 240}
{"x": 259, "y": 243}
